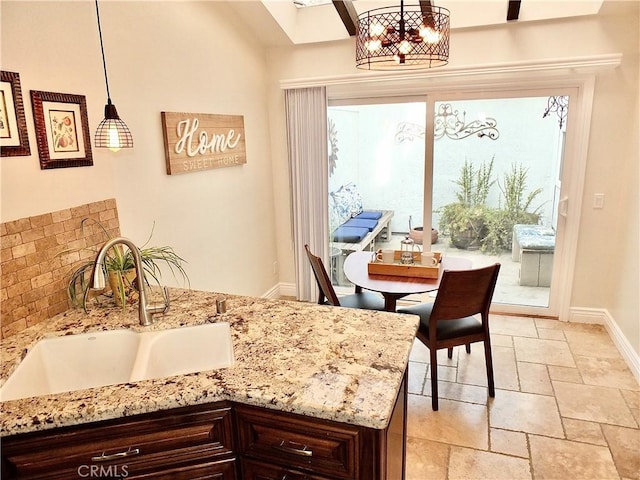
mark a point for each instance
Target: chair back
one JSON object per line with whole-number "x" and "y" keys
{"x": 463, "y": 293}
{"x": 324, "y": 282}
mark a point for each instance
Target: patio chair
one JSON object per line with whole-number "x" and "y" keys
{"x": 327, "y": 295}
{"x": 449, "y": 321}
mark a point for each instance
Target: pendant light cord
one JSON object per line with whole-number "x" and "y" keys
{"x": 104, "y": 63}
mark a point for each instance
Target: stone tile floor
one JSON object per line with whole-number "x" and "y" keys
{"x": 566, "y": 407}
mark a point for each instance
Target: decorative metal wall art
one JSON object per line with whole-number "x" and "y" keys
{"x": 558, "y": 105}
{"x": 447, "y": 122}
{"x": 409, "y": 132}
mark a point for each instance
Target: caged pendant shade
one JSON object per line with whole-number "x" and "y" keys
{"x": 411, "y": 37}
{"x": 112, "y": 133}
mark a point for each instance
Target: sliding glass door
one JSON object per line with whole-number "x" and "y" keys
{"x": 497, "y": 165}
{"x": 487, "y": 171}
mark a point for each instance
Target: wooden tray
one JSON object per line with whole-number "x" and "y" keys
{"x": 401, "y": 270}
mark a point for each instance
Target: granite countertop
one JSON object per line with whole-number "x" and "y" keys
{"x": 334, "y": 363}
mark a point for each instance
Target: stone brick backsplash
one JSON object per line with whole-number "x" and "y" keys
{"x": 37, "y": 256}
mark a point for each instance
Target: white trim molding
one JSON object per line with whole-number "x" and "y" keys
{"x": 273, "y": 292}
{"x": 582, "y": 65}
{"x": 280, "y": 290}
{"x": 602, "y": 316}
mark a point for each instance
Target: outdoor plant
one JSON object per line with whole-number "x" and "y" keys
{"x": 470, "y": 222}
{"x": 119, "y": 262}
{"x": 464, "y": 220}
{"x": 515, "y": 210}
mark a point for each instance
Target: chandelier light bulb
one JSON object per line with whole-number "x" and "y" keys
{"x": 374, "y": 45}
{"x": 430, "y": 35}
{"x": 405, "y": 47}
{"x": 376, "y": 29}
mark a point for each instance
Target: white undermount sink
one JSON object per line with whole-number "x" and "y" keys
{"x": 76, "y": 362}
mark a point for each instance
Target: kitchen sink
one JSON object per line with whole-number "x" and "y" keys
{"x": 184, "y": 350}
{"x": 88, "y": 360}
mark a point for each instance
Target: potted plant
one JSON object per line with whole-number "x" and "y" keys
{"x": 119, "y": 269}
{"x": 464, "y": 220}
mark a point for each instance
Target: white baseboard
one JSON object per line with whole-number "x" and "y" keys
{"x": 273, "y": 292}
{"x": 602, "y": 316}
{"x": 281, "y": 290}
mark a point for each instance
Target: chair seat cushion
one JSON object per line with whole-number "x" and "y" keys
{"x": 446, "y": 328}
{"x": 350, "y": 234}
{"x": 370, "y": 215}
{"x": 364, "y": 300}
{"x": 361, "y": 222}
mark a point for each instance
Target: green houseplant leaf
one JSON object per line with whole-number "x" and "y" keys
{"x": 119, "y": 261}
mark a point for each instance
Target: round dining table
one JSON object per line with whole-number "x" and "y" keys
{"x": 394, "y": 287}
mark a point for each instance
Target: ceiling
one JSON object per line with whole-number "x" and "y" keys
{"x": 280, "y": 22}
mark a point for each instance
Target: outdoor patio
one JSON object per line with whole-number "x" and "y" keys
{"x": 507, "y": 290}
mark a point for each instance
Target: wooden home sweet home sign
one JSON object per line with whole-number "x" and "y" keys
{"x": 202, "y": 141}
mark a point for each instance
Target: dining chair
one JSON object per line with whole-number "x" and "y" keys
{"x": 327, "y": 295}
{"x": 451, "y": 319}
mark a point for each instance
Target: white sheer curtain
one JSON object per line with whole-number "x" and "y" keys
{"x": 306, "y": 110}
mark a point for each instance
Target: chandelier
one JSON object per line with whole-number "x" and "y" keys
{"x": 411, "y": 37}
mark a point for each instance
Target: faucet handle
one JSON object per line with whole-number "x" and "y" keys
{"x": 160, "y": 307}
{"x": 167, "y": 299}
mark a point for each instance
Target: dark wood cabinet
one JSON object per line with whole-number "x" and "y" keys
{"x": 321, "y": 447}
{"x": 256, "y": 470}
{"x": 222, "y": 441}
{"x": 278, "y": 445}
{"x": 170, "y": 444}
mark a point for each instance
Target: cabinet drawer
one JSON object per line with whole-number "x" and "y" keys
{"x": 317, "y": 446}
{"x": 220, "y": 470}
{"x": 137, "y": 445}
{"x": 255, "y": 470}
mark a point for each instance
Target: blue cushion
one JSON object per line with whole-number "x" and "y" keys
{"x": 368, "y": 214}
{"x": 350, "y": 234}
{"x": 361, "y": 222}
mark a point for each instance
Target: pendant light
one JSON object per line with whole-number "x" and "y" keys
{"x": 408, "y": 37}
{"x": 112, "y": 133}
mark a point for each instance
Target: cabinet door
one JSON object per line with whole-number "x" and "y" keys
{"x": 321, "y": 447}
{"x": 255, "y": 470}
{"x": 128, "y": 447}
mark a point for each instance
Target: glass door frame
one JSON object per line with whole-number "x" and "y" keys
{"x": 572, "y": 178}
{"x": 520, "y": 81}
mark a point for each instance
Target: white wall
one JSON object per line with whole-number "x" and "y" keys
{"x": 612, "y": 167}
{"x": 161, "y": 56}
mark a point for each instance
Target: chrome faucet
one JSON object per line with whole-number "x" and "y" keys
{"x": 145, "y": 311}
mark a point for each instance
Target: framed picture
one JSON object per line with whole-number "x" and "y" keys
{"x": 62, "y": 129}
{"x": 14, "y": 139}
